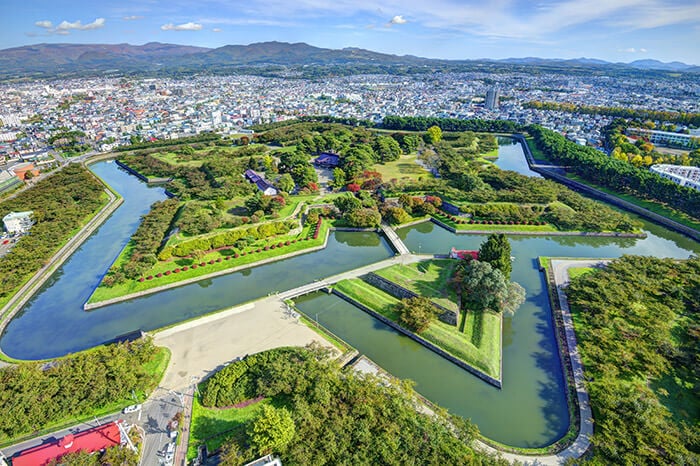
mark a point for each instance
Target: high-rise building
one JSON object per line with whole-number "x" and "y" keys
{"x": 492, "y": 98}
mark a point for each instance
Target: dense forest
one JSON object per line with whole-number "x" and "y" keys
{"x": 205, "y": 175}
{"x": 686, "y": 118}
{"x": 61, "y": 203}
{"x": 327, "y": 416}
{"x": 35, "y": 394}
{"x": 638, "y": 325}
{"x": 618, "y": 175}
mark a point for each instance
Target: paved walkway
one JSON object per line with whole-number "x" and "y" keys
{"x": 583, "y": 440}
{"x": 204, "y": 345}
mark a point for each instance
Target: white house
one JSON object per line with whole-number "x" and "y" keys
{"x": 18, "y": 222}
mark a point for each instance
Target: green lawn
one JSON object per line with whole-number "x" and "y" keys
{"x": 215, "y": 426}
{"x": 103, "y": 293}
{"x": 426, "y": 278}
{"x": 404, "y": 167}
{"x": 536, "y": 152}
{"x": 505, "y": 228}
{"x": 174, "y": 159}
{"x": 575, "y": 272}
{"x": 655, "y": 207}
{"x": 482, "y": 328}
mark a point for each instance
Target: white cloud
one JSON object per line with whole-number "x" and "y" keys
{"x": 182, "y": 27}
{"x": 398, "y": 19}
{"x": 216, "y": 30}
{"x": 66, "y": 26}
{"x": 132, "y": 17}
{"x": 633, "y": 50}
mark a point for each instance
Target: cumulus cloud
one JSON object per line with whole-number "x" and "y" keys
{"x": 65, "y": 27}
{"x": 216, "y": 30}
{"x": 398, "y": 19}
{"x": 182, "y": 27}
{"x": 132, "y": 18}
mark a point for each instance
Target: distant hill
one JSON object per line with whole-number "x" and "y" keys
{"x": 658, "y": 65}
{"x": 42, "y": 60}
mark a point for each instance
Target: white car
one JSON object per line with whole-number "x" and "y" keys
{"x": 131, "y": 409}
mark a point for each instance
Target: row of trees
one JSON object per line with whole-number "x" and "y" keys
{"x": 449, "y": 124}
{"x": 335, "y": 417}
{"x": 606, "y": 171}
{"x": 686, "y": 118}
{"x": 35, "y": 394}
{"x": 200, "y": 138}
{"x": 638, "y": 328}
{"x": 146, "y": 241}
{"x": 239, "y": 238}
{"x": 61, "y": 203}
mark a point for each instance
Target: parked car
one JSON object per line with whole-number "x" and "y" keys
{"x": 131, "y": 409}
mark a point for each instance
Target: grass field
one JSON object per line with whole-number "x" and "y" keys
{"x": 403, "y": 168}
{"x": 655, "y": 207}
{"x": 174, "y": 159}
{"x": 575, "y": 272}
{"x": 214, "y": 426}
{"x": 426, "y": 278}
{"x": 484, "y": 328}
{"x": 103, "y": 293}
{"x": 536, "y": 153}
{"x": 504, "y": 228}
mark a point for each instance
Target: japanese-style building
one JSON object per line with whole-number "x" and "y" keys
{"x": 266, "y": 188}
{"x": 463, "y": 254}
{"x": 327, "y": 160}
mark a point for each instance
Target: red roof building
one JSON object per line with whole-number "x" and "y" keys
{"x": 91, "y": 440}
{"x": 463, "y": 253}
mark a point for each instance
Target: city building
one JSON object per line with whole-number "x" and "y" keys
{"x": 17, "y": 222}
{"x": 684, "y": 176}
{"x": 665, "y": 137}
{"x": 492, "y": 96}
{"x": 92, "y": 440}
{"x": 8, "y": 181}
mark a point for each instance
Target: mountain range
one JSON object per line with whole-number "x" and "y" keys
{"x": 43, "y": 60}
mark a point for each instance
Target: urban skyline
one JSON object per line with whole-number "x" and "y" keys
{"x": 617, "y": 31}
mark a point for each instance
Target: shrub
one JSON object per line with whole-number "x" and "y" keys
{"x": 194, "y": 266}
{"x": 167, "y": 272}
{"x": 287, "y": 243}
{"x": 219, "y": 259}
{"x": 185, "y": 269}
{"x": 142, "y": 279}
{"x": 212, "y": 261}
{"x": 159, "y": 275}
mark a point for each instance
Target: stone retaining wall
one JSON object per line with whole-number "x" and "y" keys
{"x": 483, "y": 376}
{"x": 448, "y": 316}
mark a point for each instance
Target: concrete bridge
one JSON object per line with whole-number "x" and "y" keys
{"x": 326, "y": 282}
{"x": 394, "y": 239}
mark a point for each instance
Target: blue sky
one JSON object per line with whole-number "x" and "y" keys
{"x": 614, "y": 30}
